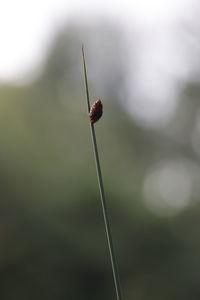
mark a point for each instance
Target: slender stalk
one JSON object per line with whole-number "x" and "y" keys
{"x": 102, "y": 194}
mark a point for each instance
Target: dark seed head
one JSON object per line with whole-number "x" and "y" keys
{"x": 96, "y": 111}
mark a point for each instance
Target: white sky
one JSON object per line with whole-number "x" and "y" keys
{"x": 26, "y": 27}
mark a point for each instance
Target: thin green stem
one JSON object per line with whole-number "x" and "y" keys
{"x": 102, "y": 194}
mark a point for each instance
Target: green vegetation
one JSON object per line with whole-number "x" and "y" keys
{"x": 53, "y": 244}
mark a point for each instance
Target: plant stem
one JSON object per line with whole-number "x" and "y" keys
{"x": 102, "y": 194}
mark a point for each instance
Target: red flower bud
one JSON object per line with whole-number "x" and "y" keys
{"x": 96, "y": 111}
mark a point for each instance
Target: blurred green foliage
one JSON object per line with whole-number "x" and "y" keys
{"x": 53, "y": 243}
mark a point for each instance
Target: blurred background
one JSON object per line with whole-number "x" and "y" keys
{"x": 143, "y": 62}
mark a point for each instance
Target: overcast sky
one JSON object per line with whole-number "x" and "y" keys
{"x": 26, "y": 27}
